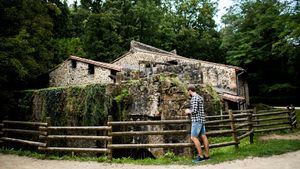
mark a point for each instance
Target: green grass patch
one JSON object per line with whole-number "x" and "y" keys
{"x": 258, "y": 149}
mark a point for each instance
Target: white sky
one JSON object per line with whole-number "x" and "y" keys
{"x": 223, "y": 4}
{"x": 221, "y": 8}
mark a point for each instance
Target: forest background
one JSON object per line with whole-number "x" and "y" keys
{"x": 261, "y": 36}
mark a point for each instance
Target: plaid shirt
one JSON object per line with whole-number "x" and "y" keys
{"x": 197, "y": 109}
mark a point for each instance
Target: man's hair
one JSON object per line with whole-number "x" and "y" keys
{"x": 191, "y": 88}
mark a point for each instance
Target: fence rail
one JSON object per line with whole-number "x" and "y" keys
{"x": 238, "y": 124}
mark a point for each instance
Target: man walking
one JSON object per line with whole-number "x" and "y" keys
{"x": 198, "y": 119}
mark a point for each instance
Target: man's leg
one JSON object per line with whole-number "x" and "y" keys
{"x": 198, "y": 146}
{"x": 206, "y": 144}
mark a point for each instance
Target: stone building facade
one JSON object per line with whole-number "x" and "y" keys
{"x": 80, "y": 71}
{"x": 229, "y": 81}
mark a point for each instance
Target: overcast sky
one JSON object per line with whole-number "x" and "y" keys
{"x": 221, "y": 8}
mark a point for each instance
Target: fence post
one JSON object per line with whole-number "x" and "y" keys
{"x": 251, "y": 126}
{"x": 292, "y": 117}
{"x": 190, "y": 149}
{"x": 48, "y": 121}
{"x": 109, "y": 142}
{"x": 233, "y": 128}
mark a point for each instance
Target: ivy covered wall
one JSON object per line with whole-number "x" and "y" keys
{"x": 77, "y": 105}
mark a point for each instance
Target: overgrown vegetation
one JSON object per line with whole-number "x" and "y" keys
{"x": 77, "y": 105}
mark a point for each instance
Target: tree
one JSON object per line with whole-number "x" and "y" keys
{"x": 261, "y": 37}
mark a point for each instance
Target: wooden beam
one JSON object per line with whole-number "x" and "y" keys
{"x": 157, "y": 122}
{"x": 270, "y": 113}
{"x": 78, "y": 128}
{"x": 270, "y": 124}
{"x": 33, "y": 143}
{"x": 272, "y": 129}
{"x": 270, "y": 119}
{"x": 72, "y": 137}
{"x": 75, "y": 149}
{"x": 24, "y": 123}
{"x": 133, "y": 133}
{"x": 21, "y": 131}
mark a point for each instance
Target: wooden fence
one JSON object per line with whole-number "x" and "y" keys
{"x": 18, "y": 132}
{"x": 237, "y": 124}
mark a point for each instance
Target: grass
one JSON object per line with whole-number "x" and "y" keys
{"x": 258, "y": 149}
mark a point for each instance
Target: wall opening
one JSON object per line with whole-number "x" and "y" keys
{"x": 91, "y": 69}
{"x": 74, "y": 64}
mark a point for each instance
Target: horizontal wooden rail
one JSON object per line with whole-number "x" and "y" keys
{"x": 21, "y": 131}
{"x": 217, "y": 126}
{"x": 71, "y": 137}
{"x": 132, "y": 133}
{"x": 158, "y": 122}
{"x": 239, "y": 111}
{"x": 270, "y": 110}
{"x": 216, "y": 145}
{"x": 242, "y": 125}
{"x": 24, "y": 123}
{"x": 242, "y": 130}
{"x": 241, "y": 119}
{"x": 1, "y": 124}
{"x": 167, "y": 145}
{"x": 74, "y": 149}
{"x": 270, "y": 124}
{"x": 241, "y": 115}
{"x": 33, "y": 143}
{"x": 269, "y": 114}
{"x": 245, "y": 135}
{"x": 161, "y": 145}
{"x": 76, "y": 128}
{"x": 217, "y": 116}
{"x": 219, "y": 132}
{"x": 272, "y": 129}
{"x": 217, "y": 121}
{"x": 271, "y": 119}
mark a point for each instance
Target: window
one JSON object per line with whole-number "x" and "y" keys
{"x": 91, "y": 69}
{"x": 173, "y": 62}
{"x": 74, "y": 64}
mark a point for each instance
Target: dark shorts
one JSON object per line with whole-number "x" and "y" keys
{"x": 197, "y": 128}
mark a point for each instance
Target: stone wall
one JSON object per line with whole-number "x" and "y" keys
{"x": 65, "y": 75}
{"x": 221, "y": 77}
{"x": 132, "y": 59}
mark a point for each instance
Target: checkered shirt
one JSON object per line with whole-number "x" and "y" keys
{"x": 197, "y": 109}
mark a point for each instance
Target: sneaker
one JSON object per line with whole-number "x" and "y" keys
{"x": 198, "y": 159}
{"x": 206, "y": 158}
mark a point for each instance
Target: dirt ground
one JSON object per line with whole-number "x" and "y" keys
{"x": 284, "y": 161}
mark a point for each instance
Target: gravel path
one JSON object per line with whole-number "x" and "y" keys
{"x": 284, "y": 161}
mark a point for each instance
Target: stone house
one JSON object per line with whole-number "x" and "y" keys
{"x": 80, "y": 71}
{"x": 229, "y": 81}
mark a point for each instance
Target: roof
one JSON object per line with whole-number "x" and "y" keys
{"x": 141, "y": 47}
{"x": 96, "y": 63}
{"x": 232, "y": 98}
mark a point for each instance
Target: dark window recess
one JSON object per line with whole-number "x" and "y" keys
{"x": 113, "y": 72}
{"x": 148, "y": 65}
{"x": 91, "y": 69}
{"x": 113, "y": 75}
{"x": 74, "y": 63}
{"x": 173, "y": 62}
